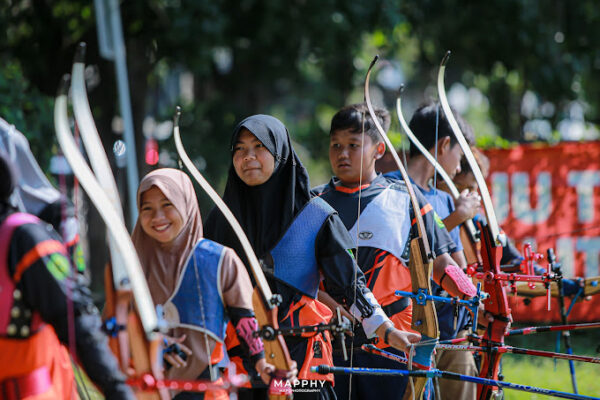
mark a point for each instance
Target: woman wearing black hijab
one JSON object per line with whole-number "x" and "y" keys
{"x": 300, "y": 242}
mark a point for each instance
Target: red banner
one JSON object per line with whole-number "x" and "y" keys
{"x": 549, "y": 196}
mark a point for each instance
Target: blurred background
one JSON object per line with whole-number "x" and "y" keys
{"x": 520, "y": 71}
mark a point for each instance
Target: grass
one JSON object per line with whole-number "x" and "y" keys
{"x": 541, "y": 372}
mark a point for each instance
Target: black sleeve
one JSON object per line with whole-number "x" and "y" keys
{"x": 343, "y": 280}
{"x": 48, "y": 290}
{"x": 236, "y": 314}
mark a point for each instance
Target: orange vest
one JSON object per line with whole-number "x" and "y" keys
{"x": 22, "y": 357}
{"x": 33, "y": 363}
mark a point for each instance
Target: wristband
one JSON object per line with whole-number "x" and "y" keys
{"x": 442, "y": 279}
{"x": 387, "y": 334}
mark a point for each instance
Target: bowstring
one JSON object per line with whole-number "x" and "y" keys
{"x": 203, "y": 316}
{"x": 201, "y": 305}
{"x": 71, "y": 278}
{"x": 403, "y": 155}
{"x": 435, "y": 192}
{"x": 411, "y": 348}
{"x": 362, "y": 143}
{"x": 437, "y": 124}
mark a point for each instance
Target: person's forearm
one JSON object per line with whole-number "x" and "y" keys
{"x": 380, "y": 331}
{"x": 460, "y": 259}
{"x": 451, "y": 278}
{"x": 333, "y": 305}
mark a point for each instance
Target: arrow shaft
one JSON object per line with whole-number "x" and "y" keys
{"x": 537, "y": 329}
{"x": 518, "y": 350}
{"x": 433, "y": 373}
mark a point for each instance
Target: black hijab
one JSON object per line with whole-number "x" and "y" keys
{"x": 264, "y": 211}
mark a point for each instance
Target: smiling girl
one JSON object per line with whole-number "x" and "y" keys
{"x": 198, "y": 282}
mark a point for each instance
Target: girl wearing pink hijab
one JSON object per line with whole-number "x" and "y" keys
{"x": 200, "y": 283}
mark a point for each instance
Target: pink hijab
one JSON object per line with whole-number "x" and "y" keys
{"x": 163, "y": 262}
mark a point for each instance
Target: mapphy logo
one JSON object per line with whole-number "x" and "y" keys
{"x": 300, "y": 385}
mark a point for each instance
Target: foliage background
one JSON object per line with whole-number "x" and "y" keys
{"x": 521, "y": 70}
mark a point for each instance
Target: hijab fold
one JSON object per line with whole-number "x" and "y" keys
{"x": 265, "y": 211}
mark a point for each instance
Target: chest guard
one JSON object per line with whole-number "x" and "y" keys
{"x": 16, "y": 319}
{"x": 294, "y": 259}
{"x": 385, "y": 224}
{"x": 197, "y": 301}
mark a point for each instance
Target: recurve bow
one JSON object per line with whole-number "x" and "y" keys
{"x": 491, "y": 252}
{"x": 143, "y": 325}
{"x": 116, "y": 281}
{"x": 424, "y": 318}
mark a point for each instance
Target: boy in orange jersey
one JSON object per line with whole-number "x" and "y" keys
{"x": 383, "y": 232}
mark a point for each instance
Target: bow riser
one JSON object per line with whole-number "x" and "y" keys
{"x": 276, "y": 351}
{"x": 424, "y": 318}
{"x": 146, "y": 356}
{"x": 496, "y": 304}
{"x": 420, "y": 272}
{"x": 116, "y": 307}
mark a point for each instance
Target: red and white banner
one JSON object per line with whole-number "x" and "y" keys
{"x": 550, "y": 196}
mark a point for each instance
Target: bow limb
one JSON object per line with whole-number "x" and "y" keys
{"x": 264, "y": 301}
{"x": 89, "y": 133}
{"x": 439, "y": 169}
{"x": 468, "y": 232}
{"x": 491, "y": 251}
{"x": 147, "y": 326}
{"x": 485, "y": 194}
{"x": 116, "y": 281}
{"x": 424, "y": 318}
